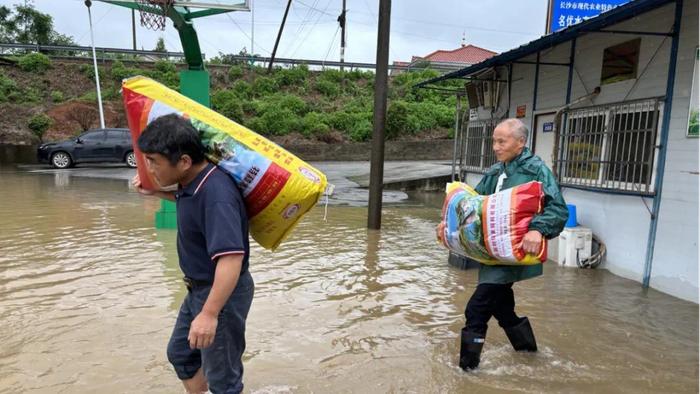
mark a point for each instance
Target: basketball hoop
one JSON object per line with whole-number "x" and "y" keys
{"x": 154, "y": 13}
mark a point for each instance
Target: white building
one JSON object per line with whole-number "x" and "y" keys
{"x": 615, "y": 93}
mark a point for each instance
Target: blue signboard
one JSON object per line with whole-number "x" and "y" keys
{"x": 567, "y": 13}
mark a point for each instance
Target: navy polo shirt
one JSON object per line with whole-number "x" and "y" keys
{"x": 211, "y": 222}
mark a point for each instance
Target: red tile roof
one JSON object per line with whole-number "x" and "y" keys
{"x": 468, "y": 54}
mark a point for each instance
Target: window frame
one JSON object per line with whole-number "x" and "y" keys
{"x": 615, "y": 78}
{"x": 604, "y": 181}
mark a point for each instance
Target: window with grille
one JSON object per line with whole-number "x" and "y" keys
{"x": 476, "y": 145}
{"x": 610, "y": 146}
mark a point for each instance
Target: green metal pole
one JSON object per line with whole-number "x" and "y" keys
{"x": 194, "y": 83}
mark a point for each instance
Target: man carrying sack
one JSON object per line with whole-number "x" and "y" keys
{"x": 494, "y": 294}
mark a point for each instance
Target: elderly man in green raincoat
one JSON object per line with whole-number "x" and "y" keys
{"x": 494, "y": 294}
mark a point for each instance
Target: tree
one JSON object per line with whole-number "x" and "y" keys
{"x": 6, "y": 26}
{"x": 160, "y": 45}
{"x": 32, "y": 26}
{"x": 26, "y": 25}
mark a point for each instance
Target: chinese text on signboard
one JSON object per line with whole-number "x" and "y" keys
{"x": 567, "y": 13}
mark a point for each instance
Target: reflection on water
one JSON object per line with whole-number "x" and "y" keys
{"x": 89, "y": 291}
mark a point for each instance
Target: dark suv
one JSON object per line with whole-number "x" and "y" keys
{"x": 97, "y": 145}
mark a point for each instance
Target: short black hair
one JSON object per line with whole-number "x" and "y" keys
{"x": 172, "y": 136}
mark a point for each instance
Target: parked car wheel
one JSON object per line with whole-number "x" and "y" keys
{"x": 131, "y": 159}
{"x": 61, "y": 160}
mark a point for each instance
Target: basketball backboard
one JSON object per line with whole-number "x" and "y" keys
{"x": 232, "y": 5}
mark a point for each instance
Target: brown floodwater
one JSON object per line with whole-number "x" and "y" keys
{"x": 89, "y": 292}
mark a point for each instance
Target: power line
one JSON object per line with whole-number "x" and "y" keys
{"x": 332, "y": 42}
{"x": 246, "y": 34}
{"x": 301, "y": 26}
{"x": 315, "y": 9}
{"x": 376, "y": 21}
{"x": 96, "y": 23}
{"x": 313, "y": 26}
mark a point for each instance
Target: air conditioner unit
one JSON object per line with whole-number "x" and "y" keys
{"x": 574, "y": 244}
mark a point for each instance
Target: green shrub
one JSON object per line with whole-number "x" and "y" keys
{"x": 29, "y": 95}
{"x": 361, "y": 131}
{"x": 293, "y": 76}
{"x": 264, "y": 86}
{"x": 233, "y": 110}
{"x": 314, "y": 123}
{"x": 170, "y": 79}
{"x": 280, "y": 121}
{"x": 283, "y": 100}
{"x": 356, "y": 75}
{"x": 397, "y": 120}
{"x": 90, "y": 96}
{"x": 220, "y": 97}
{"x": 250, "y": 107}
{"x": 359, "y": 104}
{"x": 235, "y": 72}
{"x": 8, "y": 88}
{"x": 227, "y": 103}
{"x": 242, "y": 89}
{"x": 345, "y": 121}
{"x": 327, "y": 88}
{"x": 120, "y": 72}
{"x": 107, "y": 95}
{"x": 57, "y": 96}
{"x": 89, "y": 71}
{"x": 38, "y": 124}
{"x": 256, "y": 124}
{"x": 164, "y": 66}
{"x": 34, "y": 62}
{"x": 331, "y": 75}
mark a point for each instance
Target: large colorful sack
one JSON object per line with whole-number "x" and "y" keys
{"x": 278, "y": 187}
{"x": 490, "y": 229}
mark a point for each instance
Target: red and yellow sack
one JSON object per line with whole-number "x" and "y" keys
{"x": 490, "y": 229}
{"x": 278, "y": 187}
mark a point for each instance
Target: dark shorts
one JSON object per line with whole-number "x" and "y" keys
{"x": 221, "y": 362}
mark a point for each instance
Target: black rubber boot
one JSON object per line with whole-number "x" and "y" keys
{"x": 470, "y": 351}
{"x": 521, "y": 336}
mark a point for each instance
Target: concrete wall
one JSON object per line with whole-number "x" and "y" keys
{"x": 17, "y": 154}
{"x": 623, "y": 222}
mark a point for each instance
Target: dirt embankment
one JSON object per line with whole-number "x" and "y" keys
{"x": 57, "y": 93}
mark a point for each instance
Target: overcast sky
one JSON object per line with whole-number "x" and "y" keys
{"x": 417, "y": 27}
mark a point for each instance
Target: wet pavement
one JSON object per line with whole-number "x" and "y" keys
{"x": 89, "y": 291}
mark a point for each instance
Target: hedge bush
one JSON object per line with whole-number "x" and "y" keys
{"x": 34, "y": 62}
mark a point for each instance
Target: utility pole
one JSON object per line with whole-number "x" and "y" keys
{"x": 279, "y": 35}
{"x": 133, "y": 27}
{"x": 252, "y": 29}
{"x": 376, "y": 174}
{"x": 341, "y": 21}
{"x": 88, "y": 3}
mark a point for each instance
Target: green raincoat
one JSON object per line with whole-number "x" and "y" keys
{"x": 524, "y": 168}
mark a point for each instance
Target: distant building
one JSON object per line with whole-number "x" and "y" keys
{"x": 447, "y": 60}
